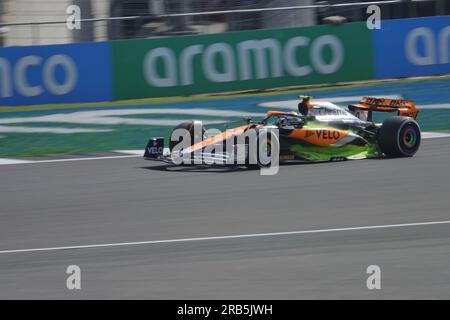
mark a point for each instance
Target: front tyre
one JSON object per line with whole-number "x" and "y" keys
{"x": 399, "y": 137}
{"x": 189, "y": 127}
{"x": 263, "y": 150}
{"x": 193, "y": 132}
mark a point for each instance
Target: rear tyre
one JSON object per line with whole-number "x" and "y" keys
{"x": 399, "y": 137}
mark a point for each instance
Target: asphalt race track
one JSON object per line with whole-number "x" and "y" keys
{"x": 51, "y": 205}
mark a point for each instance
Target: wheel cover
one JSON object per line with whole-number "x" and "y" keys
{"x": 266, "y": 153}
{"x": 409, "y": 138}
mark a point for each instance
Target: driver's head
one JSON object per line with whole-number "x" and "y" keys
{"x": 304, "y": 105}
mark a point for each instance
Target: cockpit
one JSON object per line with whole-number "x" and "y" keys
{"x": 290, "y": 122}
{"x": 285, "y": 121}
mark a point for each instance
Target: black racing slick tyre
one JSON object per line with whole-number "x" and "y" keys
{"x": 262, "y": 153}
{"x": 189, "y": 126}
{"x": 399, "y": 137}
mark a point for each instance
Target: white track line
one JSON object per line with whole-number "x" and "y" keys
{"x": 135, "y": 152}
{"x": 435, "y": 106}
{"x": 238, "y": 236}
{"x": 434, "y": 135}
{"x": 12, "y": 161}
{"x": 5, "y": 161}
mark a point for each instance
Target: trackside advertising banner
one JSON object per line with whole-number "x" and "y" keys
{"x": 233, "y": 61}
{"x": 55, "y": 74}
{"x": 412, "y": 47}
{"x": 186, "y": 65}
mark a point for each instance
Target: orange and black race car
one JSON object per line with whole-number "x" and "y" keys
{"x": 319, "y": 131}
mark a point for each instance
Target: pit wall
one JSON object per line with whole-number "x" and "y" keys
{"x": 234, "y": 61}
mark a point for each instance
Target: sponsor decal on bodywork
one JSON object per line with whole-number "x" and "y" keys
{"x": 319, "y": 136}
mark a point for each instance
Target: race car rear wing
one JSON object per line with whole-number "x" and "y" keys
{"x": 403, "y": 107}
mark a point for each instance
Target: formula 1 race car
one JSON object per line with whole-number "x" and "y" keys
{"x": 319, "y": 131}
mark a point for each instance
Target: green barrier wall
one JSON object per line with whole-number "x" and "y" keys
{"x": 259, "y": 59}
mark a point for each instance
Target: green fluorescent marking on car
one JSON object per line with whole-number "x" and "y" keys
{"x": 314, "y": 153}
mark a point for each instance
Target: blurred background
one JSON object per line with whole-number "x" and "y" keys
{"x": 39, "y": 22}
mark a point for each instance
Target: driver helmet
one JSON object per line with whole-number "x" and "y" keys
{"x": 304, "y": 105}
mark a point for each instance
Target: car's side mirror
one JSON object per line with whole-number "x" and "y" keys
{"x": 248, "y": 120}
